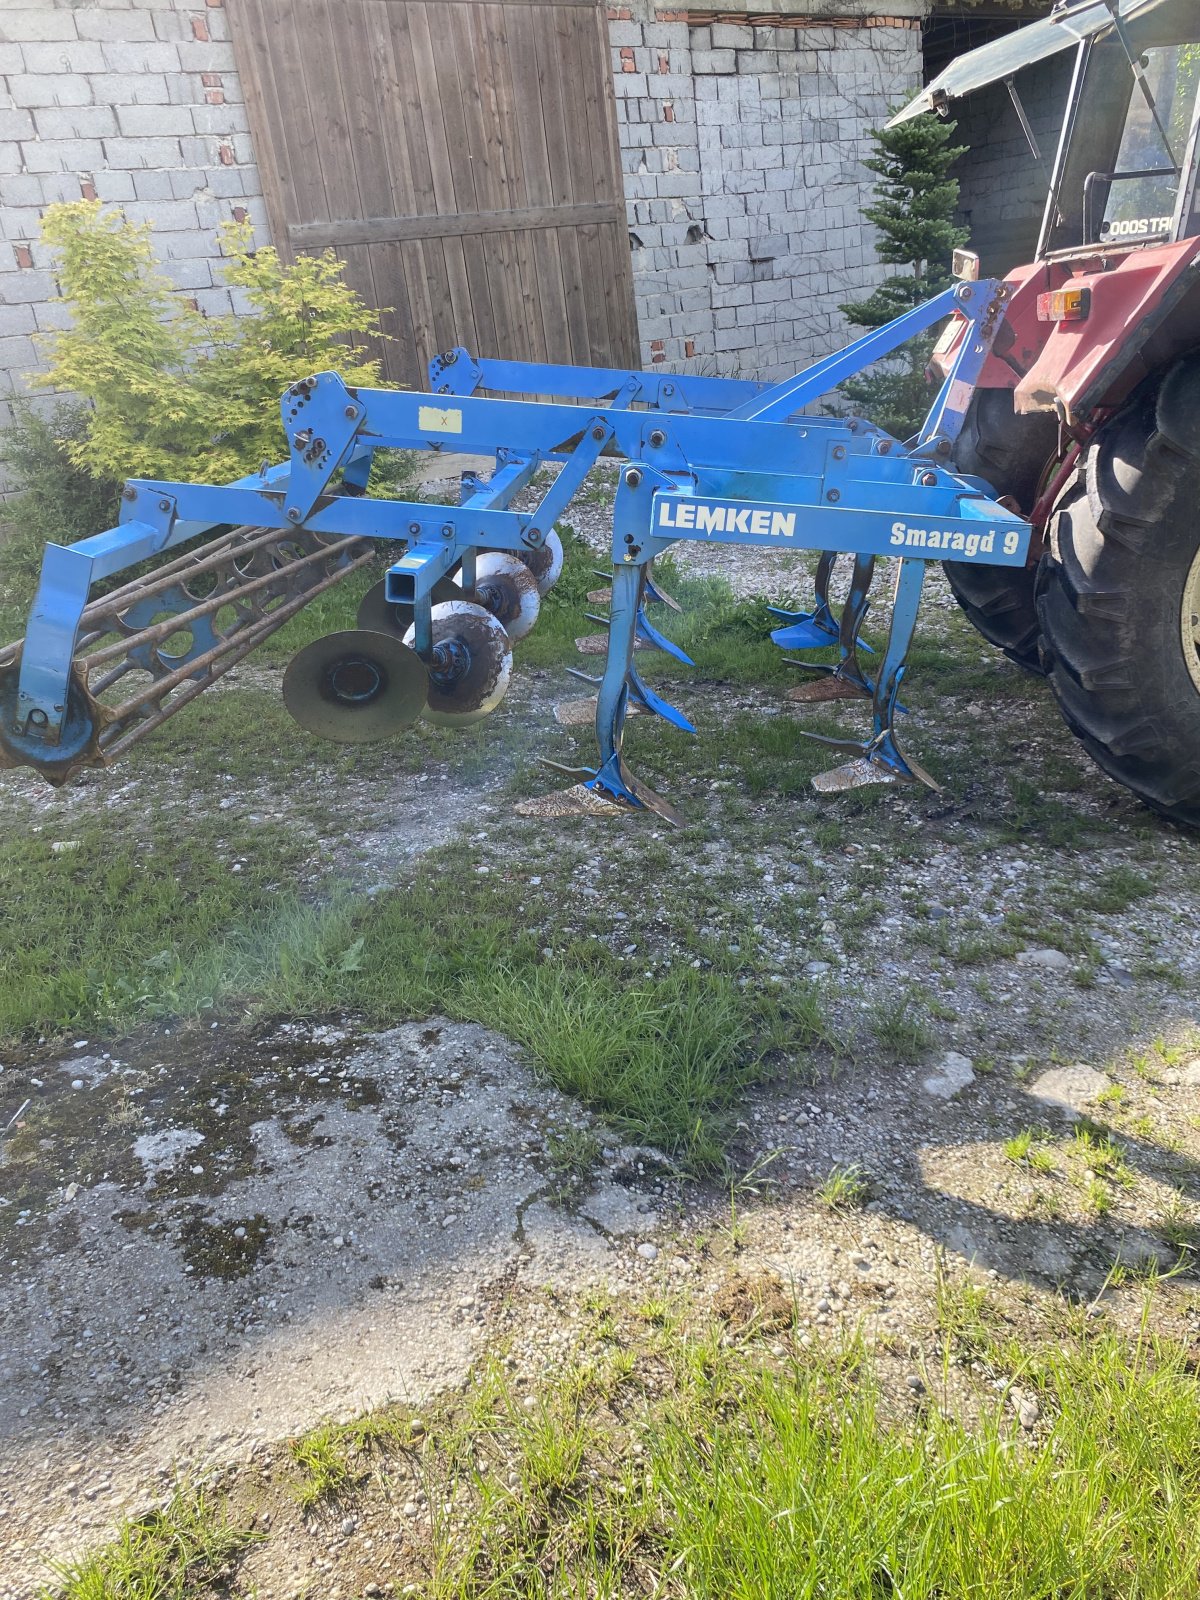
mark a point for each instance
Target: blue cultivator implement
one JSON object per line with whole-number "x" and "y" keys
{"x": 709, "y": 459}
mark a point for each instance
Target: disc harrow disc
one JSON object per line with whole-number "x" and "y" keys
{"x": 546, "y": 562}
{"x": 509, "y": 591}
{"x": 356, "y": 686}
{"x": 472, "y": 664}
{"x": 378, "y": 614}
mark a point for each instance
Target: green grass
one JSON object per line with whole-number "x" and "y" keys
{"x": 684, "y": 1469}
{"x": 900, "y": 1027}
{"x": 660, "y": 1457}
{"x": 118, "y": 927}
{"x": 185, "y": 1550}
{"x": 844, "y": 1189}
{"x": 1025, "y": 1149}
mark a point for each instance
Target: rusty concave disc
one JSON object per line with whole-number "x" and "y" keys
{"x": 356, "y": 686}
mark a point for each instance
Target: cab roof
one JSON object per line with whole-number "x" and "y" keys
{"x": 1070, "y": 22}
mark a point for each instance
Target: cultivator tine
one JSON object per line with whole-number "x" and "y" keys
{"x": 810, "y": 630}
{"x": 846, "y": 680}
{"x": 622, "y": 693}
{"x": 656, "y": 593}
{"x": 642, "y": 697}
{"x": 817, "y": 629}
{"x": 647, "y": 633}
{"x": 879, "y": 758}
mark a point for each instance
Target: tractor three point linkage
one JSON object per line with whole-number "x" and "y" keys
{"x": 1057, "y": 474}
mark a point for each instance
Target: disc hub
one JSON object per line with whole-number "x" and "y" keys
{"x": 355, "y": 681}
{"x": 451, "y": 662}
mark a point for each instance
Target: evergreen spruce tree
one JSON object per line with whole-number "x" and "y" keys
{"x": 913, "y": 215}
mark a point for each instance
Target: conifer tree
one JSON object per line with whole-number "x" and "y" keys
{"x": 913, "y": 214}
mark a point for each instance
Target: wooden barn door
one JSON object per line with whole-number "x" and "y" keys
{"x": 461, "y": 157}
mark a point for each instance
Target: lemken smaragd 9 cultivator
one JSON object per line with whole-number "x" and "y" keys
{"x": 712, "y": 459}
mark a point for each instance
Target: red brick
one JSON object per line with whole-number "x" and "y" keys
{"x": 211, "y": 80}
{"x": 668, "y": 111}
{"x": 215, "y": 97}
{"x": 23, "y": 254}
{"x": 240, "y": 213}
{"x": 689, "y": 347}
{"x": 87, "y": 189}
{"x": 628, "y": 64}
{"x": 200, "y": 29}
{"x": 664, "y": 62}
{"x": 225, "y": 154}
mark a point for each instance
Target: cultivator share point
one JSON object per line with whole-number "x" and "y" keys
{"x": 716, "y": 460}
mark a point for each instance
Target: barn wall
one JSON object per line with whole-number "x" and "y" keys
{"x": 743, "y": 148}
{"x": 135, "y": 103}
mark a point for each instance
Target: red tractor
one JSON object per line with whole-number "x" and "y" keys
{"x": 1088, "y": 410}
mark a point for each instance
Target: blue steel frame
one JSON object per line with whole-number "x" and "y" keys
{"x": 718, "y": 459}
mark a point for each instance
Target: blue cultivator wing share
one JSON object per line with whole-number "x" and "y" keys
{"x": 711, "y": 460}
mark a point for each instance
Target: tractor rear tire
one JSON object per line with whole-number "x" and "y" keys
{"x": 1118, "y": 596}
{"x": 1009, "y": 450}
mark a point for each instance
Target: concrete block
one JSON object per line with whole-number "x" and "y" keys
{"x": 196, "y": 273}
{"x": 114, "y": 187}
{"x": 129, "y": 27}
{"x": 175, "y": 27}
{"x": 74, "y": 122}
{"x": 141, "y": 56}
{"x": 15, "y": 319}
{"x": 214, "y": 302}
{"x": 23, "y": 189}
{"x": 65, "y": 55}
{"x": 197, "y": 57}
{"x": 154, "y": 193}
{"x": 134, "y": 153}
{"x": 52, "y": 316}
{"x": 61, "y": 155}
{"x": 220, "y": 119}
{"x": 129, "y": 88}
{"x": 185, "y": 245}
{"x": 16, "y": 124}
{"x": 49, "y": 89}
{"x": 711, "y": 61}
{"x": 138, "y": 122}
{"x": 36, "y": 23}
{"x": 18, "y": 352}
{"x": 12, "y": 58}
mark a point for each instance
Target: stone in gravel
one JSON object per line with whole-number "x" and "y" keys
{"x": 915, "y": 1383}
{"x": 1051, "y": 960}
{"x": 1028, "y": 1411}
{"x": 816, "y": 968}
{"x": 955, "y": 1074}
{"x": 648, "y": 1252}
{"x": 164, "y": 1147}
{"x": 1189, "y": 1073}
{"x": 1070, "y": 1089}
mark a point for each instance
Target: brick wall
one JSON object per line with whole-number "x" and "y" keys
{"x": 743, "y": 148}
{"x": 130, "y": 101}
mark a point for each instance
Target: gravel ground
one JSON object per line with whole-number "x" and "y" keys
{"x": 234, "y": 1233}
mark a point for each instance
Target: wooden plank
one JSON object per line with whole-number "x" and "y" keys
{"x": 386, "y": 230}
{"x": 460, "y": 155}
{"x": 546, "y": 265}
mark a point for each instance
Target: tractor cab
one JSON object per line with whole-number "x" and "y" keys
{"x": 1126, "y": 169}
{"x": 1114, "y": 289}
